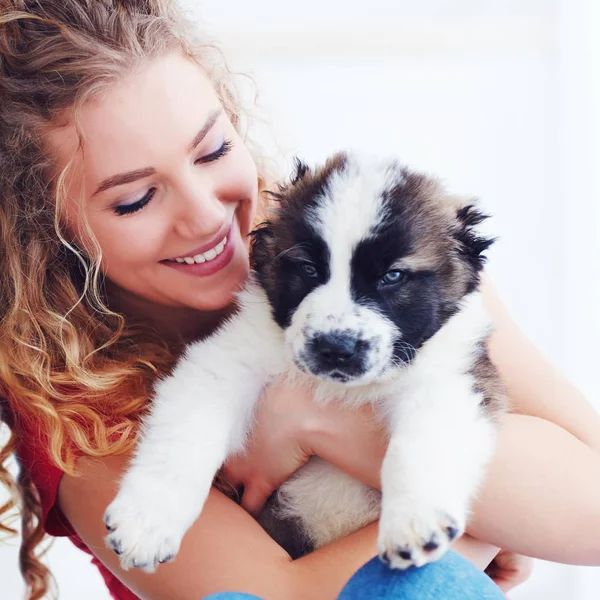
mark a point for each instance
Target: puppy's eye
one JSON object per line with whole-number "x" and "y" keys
{"x": 393, "y": 277}
{"x": 310, "y": 270}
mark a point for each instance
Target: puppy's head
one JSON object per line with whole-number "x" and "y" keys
{"x": 363, "y": 262}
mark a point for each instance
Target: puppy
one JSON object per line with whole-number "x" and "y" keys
{"x": 364, "y": 285}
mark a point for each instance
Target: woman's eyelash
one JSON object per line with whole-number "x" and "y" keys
{"x": 127, "y": 209}
{"x": 222, "y": 151}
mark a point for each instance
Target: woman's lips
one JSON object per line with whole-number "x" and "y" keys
{"x": 210, "y": 266}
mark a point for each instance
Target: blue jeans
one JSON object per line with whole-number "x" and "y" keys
{"x": 451, "y": 578}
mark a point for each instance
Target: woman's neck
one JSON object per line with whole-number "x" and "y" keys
{"x": 174, "y": 324}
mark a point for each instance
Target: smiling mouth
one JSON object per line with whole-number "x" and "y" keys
{"x": 203, "y": 257}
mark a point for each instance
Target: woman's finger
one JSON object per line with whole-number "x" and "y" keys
{"x": 255, "y": 496}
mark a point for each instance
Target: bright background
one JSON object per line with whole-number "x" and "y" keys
{"x": 500, "y": 99}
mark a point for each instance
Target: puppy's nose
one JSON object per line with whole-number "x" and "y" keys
{"x": 335, "y": 348}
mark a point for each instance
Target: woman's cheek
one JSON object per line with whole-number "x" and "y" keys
{"x": 130, "y": 242}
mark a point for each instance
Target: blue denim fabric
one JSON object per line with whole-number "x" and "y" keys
{"x": 451, "y": 578}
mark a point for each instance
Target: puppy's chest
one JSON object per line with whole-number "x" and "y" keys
{"x": 382, "y": 395}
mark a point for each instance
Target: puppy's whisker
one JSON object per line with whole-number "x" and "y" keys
{"x": 409, "y": 352}
{"x": 284, "y": 252}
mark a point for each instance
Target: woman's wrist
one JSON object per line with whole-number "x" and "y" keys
{"x": 481, "y": 554}
{"x": 351, "y": 439}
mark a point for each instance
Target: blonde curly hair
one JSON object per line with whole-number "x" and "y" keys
{"x": 69, "y": 366}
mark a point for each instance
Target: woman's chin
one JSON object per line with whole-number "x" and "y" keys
{"x": 222, "y": 293}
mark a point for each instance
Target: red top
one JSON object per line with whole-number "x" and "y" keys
{"x": 34, "y": 458}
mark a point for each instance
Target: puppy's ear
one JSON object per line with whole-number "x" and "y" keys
{"x": 471, "y": 245}
{"x": 299, "y": 172}
{"x": 262, "y": 250}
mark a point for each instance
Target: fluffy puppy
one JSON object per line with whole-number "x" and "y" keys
{"x": 364, "y": 285}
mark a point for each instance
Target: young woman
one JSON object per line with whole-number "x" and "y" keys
{"x": 122, "y": 150}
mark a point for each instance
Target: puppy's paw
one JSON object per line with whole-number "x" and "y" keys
{"x": 414, "y": 534}
{"x": 145, "y": 526}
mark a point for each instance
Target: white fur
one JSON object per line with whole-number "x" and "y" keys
{"x": 199, "y": 416}
{"x": 329, "y": 503}
{"x": 440, "y": 439}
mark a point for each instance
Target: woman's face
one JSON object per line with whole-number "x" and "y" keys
{"x": 166, "y": 184}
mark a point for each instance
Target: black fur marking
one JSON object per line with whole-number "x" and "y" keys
{"x": 280, "y": 247}
{"x": 286, "y": 532}
{"x": 413, "y": 305}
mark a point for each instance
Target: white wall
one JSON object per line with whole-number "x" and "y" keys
{"x": 498, "y": 98}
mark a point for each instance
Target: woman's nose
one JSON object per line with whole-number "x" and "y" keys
{"x": 200, "y": 214}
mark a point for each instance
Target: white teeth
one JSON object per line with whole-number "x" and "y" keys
{"x": 210, "y": 254}
{"x": 205, "y": 256}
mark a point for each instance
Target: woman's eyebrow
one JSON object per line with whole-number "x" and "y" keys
{"x": 130, "y": 176}
{"x": 123, "y": 178}
{"x": 212, "y": 118}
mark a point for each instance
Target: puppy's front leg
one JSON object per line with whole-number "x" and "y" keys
{"x": 440, "y": 443}
{"x": 186, "y": 438}
{"x": 199, "y": 416}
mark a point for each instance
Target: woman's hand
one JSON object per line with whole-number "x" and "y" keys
{"x": 289, "y": 428}
{"x": 508, "y": 570}
{"x": 277, "y": 447}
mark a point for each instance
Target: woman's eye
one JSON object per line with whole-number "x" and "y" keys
{"x": 392, "y": 277}
{"x": 127, "y": 209}
{"x": 310, "y": 270}
{"x": 217, "y": 154}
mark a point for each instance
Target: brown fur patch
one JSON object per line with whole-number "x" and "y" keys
{"x": 489, "y": 384}
{"x": 443, "y": 228}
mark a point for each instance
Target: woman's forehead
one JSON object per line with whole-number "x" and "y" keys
{"x": 148, "y": 114}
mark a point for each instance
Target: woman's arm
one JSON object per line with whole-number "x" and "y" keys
{"x": 541, "y": 495}
{"x": 535, "y": 386}
{"x": 224, "y": 550}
